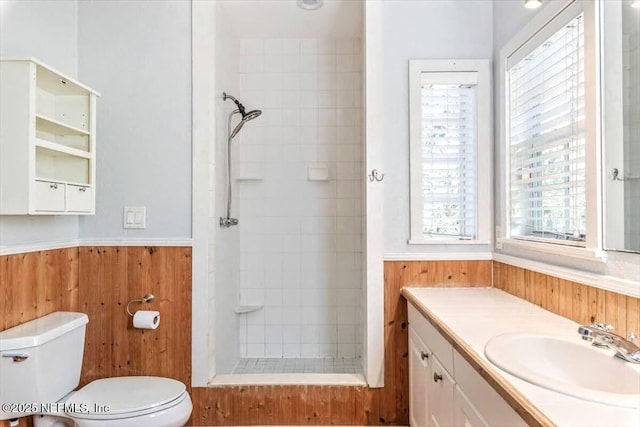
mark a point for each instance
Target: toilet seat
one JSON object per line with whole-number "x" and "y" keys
{"x": 125, "y": 397}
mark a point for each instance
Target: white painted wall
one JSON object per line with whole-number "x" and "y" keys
{"x": 138, "y": 55}
{"x": 45, "y": 30}
{"x": 435, "y": 29}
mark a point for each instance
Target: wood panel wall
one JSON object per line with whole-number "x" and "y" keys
{"x": 37, "y": 283}
{"x": 109, "y": 277}
{"x": 100, "y": 280}
{"x": 344, "y": 405}
{"x": 34, "y": 284}
{"x": 580, "y": 303}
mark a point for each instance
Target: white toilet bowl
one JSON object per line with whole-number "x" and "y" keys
{"x": 124, "y": 402}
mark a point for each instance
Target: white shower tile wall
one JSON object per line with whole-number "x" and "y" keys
{"x": 301, "y": 240}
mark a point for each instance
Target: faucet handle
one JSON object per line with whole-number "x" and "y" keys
{"x": 602, "y": 326}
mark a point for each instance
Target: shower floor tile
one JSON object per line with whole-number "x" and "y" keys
{"x": 327, "y": 365}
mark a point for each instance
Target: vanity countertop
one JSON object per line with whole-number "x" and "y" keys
{"x": 469, "y": 317}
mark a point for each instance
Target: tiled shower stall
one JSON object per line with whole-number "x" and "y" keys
{"x": 294, "y": 262}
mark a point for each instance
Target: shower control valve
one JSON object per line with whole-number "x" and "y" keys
{"x": 228, "y": 222}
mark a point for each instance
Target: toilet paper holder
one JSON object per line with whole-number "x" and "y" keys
{"x": 145, "y": 299}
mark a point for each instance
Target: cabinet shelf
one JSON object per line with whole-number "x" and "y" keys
{"x": 49, "y": 125}
{"x": 62, "y": 149}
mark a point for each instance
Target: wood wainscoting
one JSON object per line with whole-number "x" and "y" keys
{"x": 37, "y": 283}
{"x": 109, "y": 278}
{"x": 100, "y": 280}
{"x": 344, "y": 405}
{"x": 580, "y": 303}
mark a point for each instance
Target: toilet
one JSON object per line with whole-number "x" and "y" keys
{"x": 40, "y": 363}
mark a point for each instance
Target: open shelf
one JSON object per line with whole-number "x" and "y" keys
{"x": 62, "y": 166}
{"x": 62, "y": 148}
{"x": 49, "y": 125}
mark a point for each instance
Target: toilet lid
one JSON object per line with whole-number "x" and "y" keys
{"x": 123, "y": 395}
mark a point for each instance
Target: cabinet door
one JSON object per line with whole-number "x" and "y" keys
{"x": 441, "y": 390}
{"x": 466, "y": 414}
{"x": 79, "y": 198}
{"x": 49, "y": 196}
{"x": 419, "y": 371}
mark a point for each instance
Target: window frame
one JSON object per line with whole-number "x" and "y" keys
{"x": 543, "y": 25}
{"x": 484, "y": 153}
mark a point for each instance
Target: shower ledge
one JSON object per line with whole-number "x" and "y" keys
{"x": 249, "y": 178}
{"x": 248, "y": 308}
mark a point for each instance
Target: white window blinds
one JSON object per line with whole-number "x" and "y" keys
{"x": 547, "y": 140}
{"x": 449, "y": 161}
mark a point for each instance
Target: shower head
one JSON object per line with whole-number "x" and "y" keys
{"x": 245, "y": 118}
{"x": 253, "y": 114}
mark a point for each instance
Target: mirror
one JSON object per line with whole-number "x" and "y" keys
{"x": 621, "y": 124}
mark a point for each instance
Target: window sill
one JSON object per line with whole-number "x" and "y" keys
{"x": 555, "y": 249}
{"x": 447, "y": 242}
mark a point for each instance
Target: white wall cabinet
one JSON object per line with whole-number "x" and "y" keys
{"x": 47, "y": 141}
{"x": 444, "y": 390}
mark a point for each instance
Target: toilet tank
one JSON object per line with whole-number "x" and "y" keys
{"x": 53, "y": 346}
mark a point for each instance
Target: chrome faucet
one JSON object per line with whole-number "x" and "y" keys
{"x": 600, "y": 336}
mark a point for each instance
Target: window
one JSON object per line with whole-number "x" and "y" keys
{"x": 450, "y": 151}
{"x": 547, "y": 138}
{"x": 551, "y": 133}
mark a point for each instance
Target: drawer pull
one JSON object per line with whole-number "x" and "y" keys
{"x": 423, "y": 355}
{"x": 437, "y": 377}
{"x": 82, "y": 189}
{"x": 54, "y": 186}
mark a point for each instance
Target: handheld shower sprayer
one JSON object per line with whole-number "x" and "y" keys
{"x": 245, "y": 117}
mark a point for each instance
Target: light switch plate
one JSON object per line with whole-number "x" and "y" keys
{"x": 134, "y": 217}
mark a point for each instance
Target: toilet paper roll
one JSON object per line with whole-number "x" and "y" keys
{"x": 144, "y": 319}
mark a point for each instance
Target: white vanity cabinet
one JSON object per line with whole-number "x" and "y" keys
{"x": 444, "y": 390}
{"x": 47, "y": 141}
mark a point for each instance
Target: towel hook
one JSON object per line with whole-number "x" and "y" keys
{"x": 375, "y": 176}
{"x": 145, "y": 299}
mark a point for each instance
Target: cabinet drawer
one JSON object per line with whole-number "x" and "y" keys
{"x": 49, "y": 196}
{"x": 79, "y": 198}
{"x": 432, "y": 338}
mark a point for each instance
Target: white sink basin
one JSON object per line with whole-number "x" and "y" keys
{"x": 567, "y": 366}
